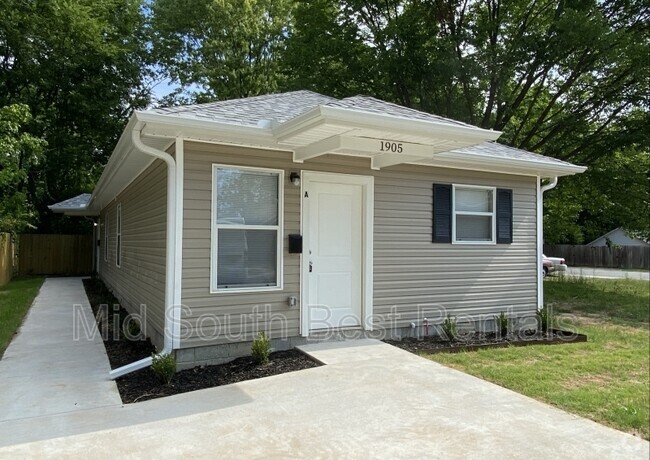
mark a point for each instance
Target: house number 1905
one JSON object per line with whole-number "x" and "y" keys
{"x": 394, "y": 147}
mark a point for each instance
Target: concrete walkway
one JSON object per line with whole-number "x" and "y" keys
{"x": 370, "y": 400}
{"x": 47, "y": 370}
{"x": 609, "y": 273}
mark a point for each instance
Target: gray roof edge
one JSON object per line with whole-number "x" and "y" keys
{"x": 76, "y": 203}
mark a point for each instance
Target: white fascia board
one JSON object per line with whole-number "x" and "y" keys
{"x": 81, "y": 212}
{"x": 486, "y": 163}
{"x": 174, "y": 126}
{"x": 299, "y": 124}
{"x": 368, "y": 120}
{"x": 117, "y": 157}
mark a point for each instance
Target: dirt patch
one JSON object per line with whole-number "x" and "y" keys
{"x": 477, "y": 340}
{"x": 601, "y": 380}
{"x": 125, "y": 344}
{"x": 143, "y": 385}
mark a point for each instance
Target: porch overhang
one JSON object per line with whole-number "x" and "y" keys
{"x": 385, "y": 139}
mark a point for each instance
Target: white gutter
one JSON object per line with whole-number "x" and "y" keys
{"x": 172, "y": 307}
{"x": 540, "y": 236}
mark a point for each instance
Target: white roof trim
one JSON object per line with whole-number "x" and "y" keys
{"x": 358, "y": 134}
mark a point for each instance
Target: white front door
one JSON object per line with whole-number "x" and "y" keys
{"x": 333, "y": 252}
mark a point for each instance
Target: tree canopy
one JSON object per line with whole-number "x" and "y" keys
{"x": 79, "y": 66}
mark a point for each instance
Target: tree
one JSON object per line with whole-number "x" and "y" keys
{"x": 20, "y": 154}
{"x": 614, "y": 192}
{"x": 223, "y": 49}
{"x": 78, "y": 65}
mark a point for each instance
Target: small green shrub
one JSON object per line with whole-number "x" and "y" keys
{"x": 544, "y": 316}
{"x": 261, "y": 348}
{"x": 449, "y": 328}
{"x": 164, "y": 366}
{"x": 132, "y": 329}
{"x": 503, "y": 323}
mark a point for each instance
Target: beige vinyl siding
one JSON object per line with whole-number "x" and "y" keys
{"x": 411, "y": 273}
{"x": 140, "y": 280}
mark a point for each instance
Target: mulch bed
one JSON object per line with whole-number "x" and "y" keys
{"x": 144, "y": 384}
{"x": 477, "y": 341}
{"x": 120, "y": 351}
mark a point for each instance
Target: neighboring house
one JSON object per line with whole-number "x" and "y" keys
{"x": 403, "y": 215}
{"x": 618, "y": 237}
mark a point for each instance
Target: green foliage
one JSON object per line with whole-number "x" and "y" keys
{"x": 261, "y": 348}
{"x": 614, "y": 192}
{"x": 164, "y": 366}
{"x": 79, "y": 65}
{"x": 132, "y": 329}
{"x": 449, "y": 328}
{"x": 229, "y": 48}
{"x": 503, "y": 324}
{"x": 20, "y": 154}
{"x": 544, "y": 317}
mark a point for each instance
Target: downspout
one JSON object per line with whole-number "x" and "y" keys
{"x": 540, "y": 236}
{"x": 171, "y": 318}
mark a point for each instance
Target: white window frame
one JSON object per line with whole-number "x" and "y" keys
{"x": 492, "y": 214}
{"x": 118, "y": 236}
{"x": 214, "y": 231}
{"x": 107, "y": 220}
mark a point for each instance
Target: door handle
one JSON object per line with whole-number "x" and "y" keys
{"x": 310, "y": 267}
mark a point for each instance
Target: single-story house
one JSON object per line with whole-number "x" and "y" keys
{"x": 618, "y": 237}
{"x": 304, "y": 216}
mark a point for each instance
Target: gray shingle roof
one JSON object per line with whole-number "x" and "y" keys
{"x": 496, "y": 150}
{"x": 372, "y": 105}
{"x": 285, "y": 106}
{"x": 249, "y": 111}
{"x": 77, "y": 202}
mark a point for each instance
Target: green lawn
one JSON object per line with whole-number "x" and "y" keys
{"x": 15, "y": 299}
{"x": 606, "y": 379}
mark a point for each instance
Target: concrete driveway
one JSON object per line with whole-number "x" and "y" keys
{"x": 370, "y": 400}
{"x": 609, "y": 273}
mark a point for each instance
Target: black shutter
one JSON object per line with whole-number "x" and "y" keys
{"x": 441, "y": 213}
{"x": 504, "y": 216}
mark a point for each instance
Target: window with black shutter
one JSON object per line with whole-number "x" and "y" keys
{"x": 504, "y": 216}
{"x": 441, "y": 213}
{"x": 471, "y": 214}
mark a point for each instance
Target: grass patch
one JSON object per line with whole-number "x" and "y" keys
{"x": 15, "y": 299}
{"x": 605, "y": 379}
{"x": 622, "y": 301}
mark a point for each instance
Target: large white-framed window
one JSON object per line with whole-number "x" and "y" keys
{"x": 474, "y": 214}
{"x": 107, "y": 220}
{"x": 246, "y": 248}
{"x": 118, "y": 236}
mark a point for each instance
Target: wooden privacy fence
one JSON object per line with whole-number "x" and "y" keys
{"x": 601, "y": 256}
{"x": 6, "y": 258}
{"x": 55, "y": 254}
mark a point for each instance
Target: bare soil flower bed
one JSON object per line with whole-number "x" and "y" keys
{"x": 144, "y": 384}
{"x": 476, "y": 341}
{"x": 110, "y": 321}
